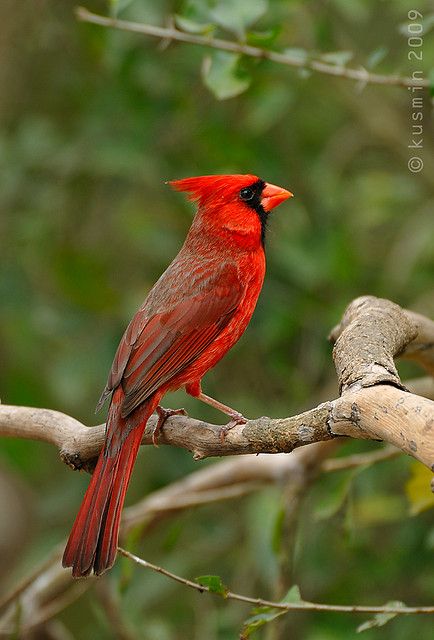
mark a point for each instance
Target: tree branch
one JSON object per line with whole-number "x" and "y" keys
{"x": 226, "y": 480}
{"x": 374, "y": 404}
{"x": 406, "y": 420}
{"x": 359, "y": 459}
{"x": 171, "y": 33}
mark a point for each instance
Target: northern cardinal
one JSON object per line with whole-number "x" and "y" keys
{"x": 192, "y": 316}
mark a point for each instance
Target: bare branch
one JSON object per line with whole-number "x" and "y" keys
{"x": 171, "y": 33}
{"x": 284, "y": 606}
{"x": 360, "y": 459}
{"x": 405, "y": 423}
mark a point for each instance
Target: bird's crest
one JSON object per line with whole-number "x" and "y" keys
{"x": 201, "y": 187}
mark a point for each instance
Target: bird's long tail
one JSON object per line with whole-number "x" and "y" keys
{"x": 93, "y": 541}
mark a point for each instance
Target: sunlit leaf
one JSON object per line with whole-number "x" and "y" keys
{"x": 222, "y": 76}
{"x": 418, "y": 489}
{"x": 377, "y": 508}
{"x": 380, "y": 619}
{"x": 214, "y": 584}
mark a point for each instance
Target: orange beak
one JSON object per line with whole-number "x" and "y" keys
{"x": 272, "y": 196}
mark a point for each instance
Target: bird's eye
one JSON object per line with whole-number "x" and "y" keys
{"x": 247, "y": 194}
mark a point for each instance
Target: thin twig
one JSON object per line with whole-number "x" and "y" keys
{"x": 284, "y": 606}
{"x": 171, "y": 33}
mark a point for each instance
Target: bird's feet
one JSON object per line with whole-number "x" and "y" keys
{"x": 163, "y": 414}
{"x": 236, "y": 418}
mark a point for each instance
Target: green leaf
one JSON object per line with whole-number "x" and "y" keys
{"x": 237, "y": 16}
{"x": 263, "y": 38}
{"x": 293, "y": 595}
{"x": 262, "y": 615}
{"x": 214, "y": 584}
{"x": 191, "y": 26}
{"x": 376, "y": 57}
{"x": 336, "y": 495}
{"x": 258, "y": 620}
{"x": 380, "y": 619}
{"x": 339, "y": 58}
{"x": 222, "y": 76}
{"x": 418, "y": 489}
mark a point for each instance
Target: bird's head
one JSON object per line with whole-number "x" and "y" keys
{"x": 238, "y": 204}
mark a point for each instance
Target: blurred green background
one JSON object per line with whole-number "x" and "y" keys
{"x": 93, "y": 122}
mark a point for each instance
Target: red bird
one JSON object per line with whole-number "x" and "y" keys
{"x": 192, "y": 316}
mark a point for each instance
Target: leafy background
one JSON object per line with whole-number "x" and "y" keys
{"x": 93, "y": 122}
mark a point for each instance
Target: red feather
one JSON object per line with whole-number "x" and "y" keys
{"x": 192, "y": 316}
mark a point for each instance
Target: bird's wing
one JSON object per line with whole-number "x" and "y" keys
{"x": 155, "y": 348}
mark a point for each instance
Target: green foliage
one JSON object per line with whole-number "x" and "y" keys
{"x": 214, "y": 584}
{"x": 260, "y": 617}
